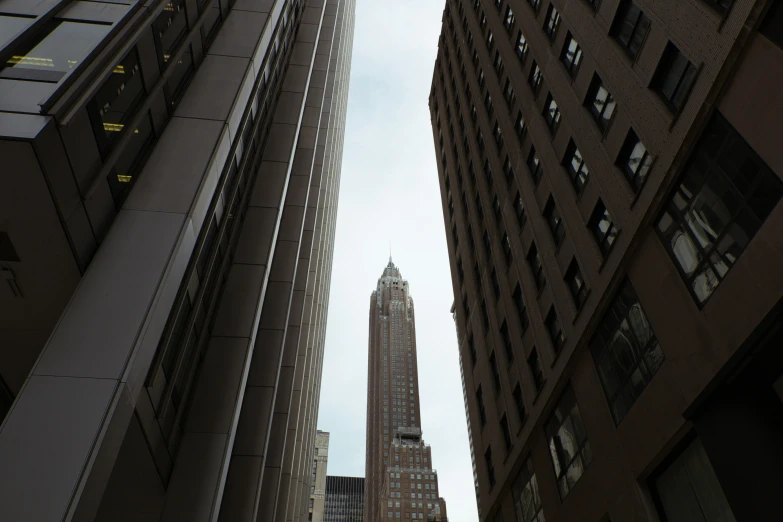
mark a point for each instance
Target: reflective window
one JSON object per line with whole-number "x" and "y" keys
{"x": 630, "y": 26}
{"x": 131, "y": 161}
{"x": 212, "y": 22}
{"x": 490, "y": 467}
{"x": 600, "y": 102}
{"x": 576, "y": 284}
{"x": 576, "y": 167}
{"x": 555, "y": 222}
{"x": 625, "y": 351}
{"x": 603, "y": 229}
{"x": 522, "y": 46}
{"x": 556, "y": 334}
{"x": 169, "y": 29}
{"x": 634, "y": 161}
{"x": 534, "y": 164}
{"x": 182, "y": 73}
{"x": 509, "y": 20}
{"x": 568, "y": 445}
{"x": 12, "y": 25}
{"x": 536, "y": 267}
{"x": 674, "y": 77}
{"x": 527, "y": 499}
{"x": 535, "y": 77}
{"x": 519, "y": 210}
{"x": 519, "y": 303}
{"x": 552, "y": 22}
{"x": 726, "y": 194}
{"x": 551, "y": 114}
{"x": 61, "y": 47}
{"x": 571, "y": 55}
{"x": 536, "y": 370}
{"x": 116, "y": 102}
{"x": 520, "y": 126}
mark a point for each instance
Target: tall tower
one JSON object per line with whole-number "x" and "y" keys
{"x": 398, "y": 468}
{"x": 318, "y": 479}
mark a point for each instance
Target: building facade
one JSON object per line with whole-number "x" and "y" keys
{"x": 170, "y": 181}
{"x": 610, "y": 186}
{"x": 318, "y": 479}
{"x": 401, "y": 482}
{"x": 344, "y": 499}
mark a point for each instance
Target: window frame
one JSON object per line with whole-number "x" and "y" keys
{"x": 579, "y": 176}
{"x": 620, "y": 18}
{"x": 662, "y": 71}
{"x": 596, "y": 84}
{"x": 536, "y": 267}
{"x": 551, "y": 22}
{"x": 635, "y": 178}
{"x": 571, "y": 66}
{"x": 554, "y": 221}
{"x": 602, "y": 238}
{"x": 552, "y": 117}
{"x": 567, "y": 403}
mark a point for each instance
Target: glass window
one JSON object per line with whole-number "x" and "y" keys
{"x": 522, "y": 46}
{"x": 571, "y": 55}
{"x": 535, "y": 4}
{"x": 506, "y": 244}
{"x": 116, "y": 102}
{"x": 527, "y": 499}
{"x": 493, "y": 364}
{"x": 536, "y": 267}
{"x": 555, "y": 330}
{"x": 535, "y": 78}
{"x": 576, "y": 167}
{"x": 551, "y": 113}
{"x": 11, "y": 25}
{"x": 674, "y": 77}
{"x": 508, "y": 93}
{"x": 576, "y": 283}
{"x": 490, "y": 467}
{"x": 552, "y": 22}
{"x": 634, "y": 161}
{"x": 524, "y": 320}
{"x": 519, "y": 209}
{"x": 180, "y": 77}
{"x": 508, "y": 170}
{"x": 625, "y": 351}
{"x": 132, "y": 159}
{"x": 604, "y": 230}
{"x": 536, "y": 370}
{"x": 480, "y": 403}
{"x": 520, "y": 126}
{"x": 169, "y": 29}
{"x": 630, "y": 26}
{"x": 212, "y": 22}
{"x": 554, "y": 221}
{"x": 568, "y": 445}
{"x": 689, "y": 490}
{"x": 508, "y": 347}
{"x": 61, "y": 47}
{"x": 506, "y": 433}
{"x": 534, "y": 164}
{"x": 600, "y": 102}
{"x": 725, "y": 195}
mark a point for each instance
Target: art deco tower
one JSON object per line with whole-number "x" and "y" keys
{"x": 400, "y": 480}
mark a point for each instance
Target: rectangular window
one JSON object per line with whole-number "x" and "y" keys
{"x": 576, "y": 284}
{"x": 674, "y": 77}
{"x": 725, "y": 195}
{"x": 519, "y": 403}
{"x": 507, "y": 254}
{"x": 576, "y": 167}
{"x": 536, "y": 370}
{"x": 551, "y": 113}
{"x": 524, "y": 320}
{"x": 629, "y": 27}
{"x": 484, "y": 315}
{"x": 482, "y": 411}
{"x": 519, "y": 210}
{"x": 552, "y": 22}
{"x": 507, "y": 346}
{"x": 527, "y": 499}
{"x": 490, "y": 467}
{"x": 508, "y": 93}
{"x": 212, "y": 22}
{"x": 497, "y": 135}
{"x": 509, "y": 20}
{"x": 493, "y": 364}
{"x": 534, "y": 164}
{"x": 522, "y": 45}
{"x": 182, "y": 72}
{"x": 132, "y": 159}
{"x": 506, "y": 433}
{"x": 508, "y": 170}
{"x": 600, "y": 103}
{"x": 519, "y": 126}
{"x": 571, "y": 55}
{"x": 634, "y": 161}
{"x": 169, "y": 29}
{"x": 497, "y": 64}
{"x": 536, "y": 267}
{"x": 534, "y": 80}
{"x": 472, "y": 349}
{"x": 535, "y": 4}
{"x": 626, "y": 353}
{"x": 496, "y": 208}
{"x": 555, "y": 330}
{"x": 603, "y": 229}
{"x": 495, "y": 284}
{"x": 488, "y": 104}
{"x": 568, "y": 445}
{"x": 487, "y": 246}
{"x": 554, "y": 221}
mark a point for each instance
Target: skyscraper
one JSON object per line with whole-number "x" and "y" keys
{"x": 611, "y": 180}
{"x": 398, "y": 468}
{"x": 318, "y": 480}
{"x": 344, "y": 499}
{"x": 170, "y": 177}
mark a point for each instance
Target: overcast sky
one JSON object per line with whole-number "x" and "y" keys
{"x": 389, "y": 191}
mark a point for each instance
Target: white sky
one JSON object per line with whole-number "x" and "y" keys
{"x": 389, "y": 191}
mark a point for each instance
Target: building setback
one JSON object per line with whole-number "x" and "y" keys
{"x": 318, "y": 480}
{"x": 401, "y": 482}
{"x": 170, "y": 181}
{"x": 610, "y": 181}
{"x": 344, "y": 499}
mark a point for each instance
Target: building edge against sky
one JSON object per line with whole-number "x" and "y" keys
{"x": 398, "y": 463}
{"x": 610, "y": 178}
{"x": 180, "y": 180}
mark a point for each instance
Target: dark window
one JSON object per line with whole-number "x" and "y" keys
{"x": 524, "y": 320}
{"x": 493, "y": 364}
{"x": 527, "y": 499}
{"x": 497, "y": 135}
{"x": 727, "y": 192}
{"x": 625, "y": 351}
{"x": 630, "y": 26}
{"x": 170, "y": 28}
{"x": 488, "y": 104}
{"x": 507, "y": 346}
{"x": 490, "y": 40}
{"x": 595, "y": 4}
{"x": 482, "y": 411}
{"x": 536, "y": 267}
{"x": 212, "y": 22}
{"x": 466, "y": 307}
{"x": 484, "y": 315}
{"x": 534, "y": 164}
{"x": 519, "y": 209}
{"x": 634, "y": 161}
{"x": 674, "y": 77}
{"x": 495, "y": 283}
{"x": 535, "y": 4}
{"x": 506, "y": 433}
{"x": 477, "y": 277}
{"x": 508, "y": 93}
{"x": 472, "y": 348}
{"x": 604, "y": 230}
{"x": 536, "y": 370}
{"x": 576, "y": 167}
{"x": 59, "y": 47}
{"x": 490, "y": 467}
{"x": 576, "y": 283}
{"x": 772, "y": 25}
{"x": 460, "y": 271}
{"x": 483, "y": 21}
{"x": 519, "y": 403}
{"x": 508, "y": 170}
{"x": 535, "y": 78}
{"x": 7, "y": 251}
{"x": 509, "y": 20}
{"x": 487, "y": 246}
{"x": 519, "y": 126}
{"x": 571, "y": 55}
{"x": 479, "y": 208}
{"x": 116, "y": 101}
{"x": 688, "y": 489}
{"x": 568, "y": 445}
{"x": 551, "y": 113}
{"x": 481, "y": 78}
{"x": 480, "y": 140}
{"x": 555, "y": 329}
{"x": 522, "y": 46}
{"x": 506, "y": 249}
{"x": 554, "y": 221}
{"x": 497, "y": 64}
{"x": 723, "y": 6}
{"x": 552, "y": 22}
{"x": 455, "y": 236}
{"x": 600, "y": 102}
{"x": 133, "y": 157}
{"x": 182, "y": 72}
